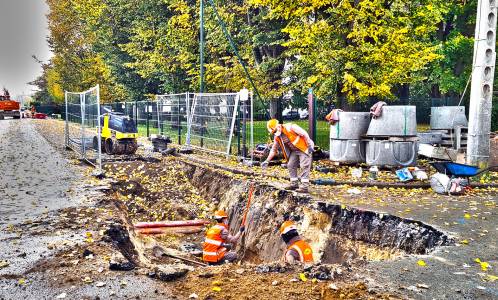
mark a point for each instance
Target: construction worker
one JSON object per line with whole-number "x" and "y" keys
{"x": 297, "y": 148}
{"x": 297, "y": 249}
{"x": 218, "y": 241}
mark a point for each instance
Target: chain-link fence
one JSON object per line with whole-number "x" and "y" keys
{"x": 82, "y": 129}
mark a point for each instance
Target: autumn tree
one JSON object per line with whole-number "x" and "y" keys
{"x": 358, "y": 49}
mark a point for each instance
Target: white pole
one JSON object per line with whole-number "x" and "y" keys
{"x": 252, "y": 128}
{"x": 66, "y": 127}
{"x": 481, "y": 95}
{"x": 232, "y": 126}
{"x": 99, "y": 133}
{"x": 158, "y": 118}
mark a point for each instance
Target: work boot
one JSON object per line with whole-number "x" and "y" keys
{"x": 293, "y": 185}
{"x": 303, "y": 188}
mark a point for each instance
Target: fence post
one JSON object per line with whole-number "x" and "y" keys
{"x": 99, "y": 132}
{"x": 66, "y": 133}
{"x": 147, "y": 117}
{"x": 244, "y": 98}
{"x": 238, "y": 137}
{"x": 136, "y": 112}
{"x": 179, "y": 121}
{"x": 252, "y": 127}
{"x": 159, "y": 131}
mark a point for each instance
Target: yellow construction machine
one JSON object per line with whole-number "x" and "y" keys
{"x": 119, "y": 134}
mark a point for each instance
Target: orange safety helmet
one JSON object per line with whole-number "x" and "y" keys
{"x": 272, "y": 125}
{"x": 287, "y": 226}
{"x": 220, "y": 214}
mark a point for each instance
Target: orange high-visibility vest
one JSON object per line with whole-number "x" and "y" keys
{"x": 304, "y": 250}
{"x": 294, "y": 138}
{"x": 213, "y": 251}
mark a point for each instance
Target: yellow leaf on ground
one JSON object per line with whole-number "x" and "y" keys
{"x": 217, "y": 289}
{"x": 421, "y": 263}
{"x": 303, "y": 278}
{"x": 216, "y": 282}
{"x": 492, "y": 278}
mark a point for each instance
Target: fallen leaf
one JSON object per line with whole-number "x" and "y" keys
{"x": 4, "y": 264}
{"x": 217, "y": 289}
{"x": 421, "y": 263}
{"x": 87, "y": 280}
{"x": 216, "y": 282}
{"x": 492, "y": 278}
{"x": 303, "y": 278}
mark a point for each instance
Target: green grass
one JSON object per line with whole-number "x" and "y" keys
{"x": 322, "y": 132}
{"x": 261, "y": 135}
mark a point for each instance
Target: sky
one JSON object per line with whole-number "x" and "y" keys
{"x": 23, "y": 33}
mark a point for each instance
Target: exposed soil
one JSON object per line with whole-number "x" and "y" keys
{"x": 235, "y": 282}
{"x": 171, "y": 190}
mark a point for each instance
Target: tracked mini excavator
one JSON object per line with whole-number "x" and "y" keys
{"x": 119, "y": 134}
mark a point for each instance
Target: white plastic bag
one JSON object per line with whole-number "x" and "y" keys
{"x": 440, "y": 183}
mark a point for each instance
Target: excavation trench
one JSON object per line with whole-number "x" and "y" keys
{"x": 338, "y": 234}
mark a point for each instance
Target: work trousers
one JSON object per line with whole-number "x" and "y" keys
{"x": 229, "y": 257}
{"x": 299, "y": 159}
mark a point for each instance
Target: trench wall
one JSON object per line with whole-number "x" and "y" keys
{"x": 318, "y": 221}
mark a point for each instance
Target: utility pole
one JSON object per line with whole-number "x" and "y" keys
{"x": 481, "y": 94}
{"x": 201, "y": 47}
{"x": 311, "y": 115}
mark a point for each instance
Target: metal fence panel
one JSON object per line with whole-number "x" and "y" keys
{"x": 82, "y": 129}
{"x": 173, "y": 114}
{"x": 213, "y": 121}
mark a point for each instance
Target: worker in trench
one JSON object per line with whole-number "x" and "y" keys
{"x": 218, "y": 242}
{"x": 297, "y": 148}
{"x": 297, "y": 249}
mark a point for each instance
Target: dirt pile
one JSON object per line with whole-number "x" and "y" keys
{"x": 236, "y": 282}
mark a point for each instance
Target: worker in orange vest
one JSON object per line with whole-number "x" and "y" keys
{"x": 297, "y": 249}
{"x": 218, "y": 241}
{"x": 297, "y": 148}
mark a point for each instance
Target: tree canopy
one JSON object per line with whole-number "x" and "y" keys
{"x": 352, "y": 50}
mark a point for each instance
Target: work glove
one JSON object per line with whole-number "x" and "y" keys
{"x": 242, "y": 229}
{"x": 227, "y": 246}
{"x": 264, "y": 164}
{"x": 311, "y": 150}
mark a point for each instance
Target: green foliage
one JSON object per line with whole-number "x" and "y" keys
{"x": 354, "y": 50}
{"x": 360, "y": 49}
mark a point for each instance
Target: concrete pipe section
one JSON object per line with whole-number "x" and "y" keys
{"x": 351, "y": 126}
{"x": 390, "y": 153}
{"x": 395, "y": 121}
{"x": 448, "y": 117}
{"x": 347, "y": 151}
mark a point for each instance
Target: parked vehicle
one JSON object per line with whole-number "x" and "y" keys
{"x": 291, "y": 115}
{"x": 303, "y": 114}
{"x": 8, "y": 107}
